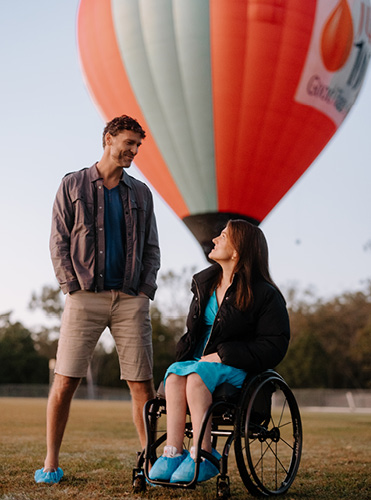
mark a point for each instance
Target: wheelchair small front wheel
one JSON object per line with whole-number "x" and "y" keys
{"x": 139, "y": 483}
{"x": 268, "y": 436}
{"x": 223, "y": 488}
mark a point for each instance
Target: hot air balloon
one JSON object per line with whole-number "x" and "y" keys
{"x": 238, "y": 97}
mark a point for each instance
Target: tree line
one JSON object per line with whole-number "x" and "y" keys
{"x": 330, "y": 339}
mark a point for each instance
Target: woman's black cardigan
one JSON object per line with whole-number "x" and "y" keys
{"x": 252, "y": 340}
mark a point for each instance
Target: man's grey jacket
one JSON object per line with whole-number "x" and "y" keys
{"x": 77, "y": 241}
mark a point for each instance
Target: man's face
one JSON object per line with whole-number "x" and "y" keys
{"x": 123, "y": 147}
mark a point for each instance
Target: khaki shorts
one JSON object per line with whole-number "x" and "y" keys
{"x": 85, "y": 317}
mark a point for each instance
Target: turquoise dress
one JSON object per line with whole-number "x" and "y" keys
{"x": 212, "y": 374}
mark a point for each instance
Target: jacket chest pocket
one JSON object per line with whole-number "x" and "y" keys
{"x": 84, "y": 212}
{"x": 138, "y": 215}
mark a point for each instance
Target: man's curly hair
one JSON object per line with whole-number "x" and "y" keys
{"x": 121, "y": 123}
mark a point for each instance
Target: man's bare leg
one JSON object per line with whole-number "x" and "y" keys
{"x": 141, "y": 392}
{"x": 58, "y": 408}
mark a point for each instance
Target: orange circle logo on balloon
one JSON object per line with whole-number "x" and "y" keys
{"x": 337, "y": 37}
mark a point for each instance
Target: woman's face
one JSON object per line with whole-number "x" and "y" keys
{"x": 223, "y": 249}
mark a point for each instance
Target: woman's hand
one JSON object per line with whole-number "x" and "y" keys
{"x": 211, "y": 358}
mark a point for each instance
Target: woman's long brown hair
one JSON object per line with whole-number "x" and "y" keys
{"x": 252, "y": 264}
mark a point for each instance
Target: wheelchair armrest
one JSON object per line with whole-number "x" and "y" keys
{"x": 226, "y": 392}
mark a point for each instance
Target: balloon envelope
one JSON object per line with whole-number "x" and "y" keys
{"x": 237, "y": 97}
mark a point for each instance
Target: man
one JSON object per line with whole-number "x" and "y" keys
{"x": 105, "y": 253}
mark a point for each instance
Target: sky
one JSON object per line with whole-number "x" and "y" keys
{"x": 319, "y": 234}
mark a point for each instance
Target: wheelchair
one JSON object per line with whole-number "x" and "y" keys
{"x": 261, "y": 419}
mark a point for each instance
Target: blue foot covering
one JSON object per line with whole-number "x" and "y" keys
{"x": 48, "y": 477}
{"x": 165, "y": 466}
{"x": 186, "y": 470}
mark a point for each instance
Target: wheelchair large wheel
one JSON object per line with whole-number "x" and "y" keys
{"x": 268, "y": 436}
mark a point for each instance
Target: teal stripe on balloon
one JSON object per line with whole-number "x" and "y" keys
{"x": 165, "y": 46}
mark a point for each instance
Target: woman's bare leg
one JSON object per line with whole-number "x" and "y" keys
{"x": 176, "y": 409}
{"x": 199, "y": 400}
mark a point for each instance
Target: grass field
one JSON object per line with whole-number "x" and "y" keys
{"x": 98, "y": 455}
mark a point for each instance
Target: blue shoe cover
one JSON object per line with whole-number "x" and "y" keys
{"x": 207, "y": 469}
{"x": 186, "y": 471}
{"x": 164, "y": 467}
{"x": 48, "y": 477}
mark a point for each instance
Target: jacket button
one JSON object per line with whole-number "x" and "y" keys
{"x": 195, "y": 316}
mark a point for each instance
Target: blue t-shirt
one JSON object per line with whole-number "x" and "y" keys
{"x": 114, "y": 229}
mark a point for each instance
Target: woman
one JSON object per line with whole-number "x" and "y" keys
{"x": 237, "y": 324}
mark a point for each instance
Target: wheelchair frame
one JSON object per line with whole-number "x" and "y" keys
{"x": 263, "y": 421}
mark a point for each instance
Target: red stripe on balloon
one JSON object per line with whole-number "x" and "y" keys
{"x": 264, "y": 139}
{"x": 110, "y": 87}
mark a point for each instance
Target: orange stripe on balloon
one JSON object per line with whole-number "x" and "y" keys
{"x": 107, "y": 81}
